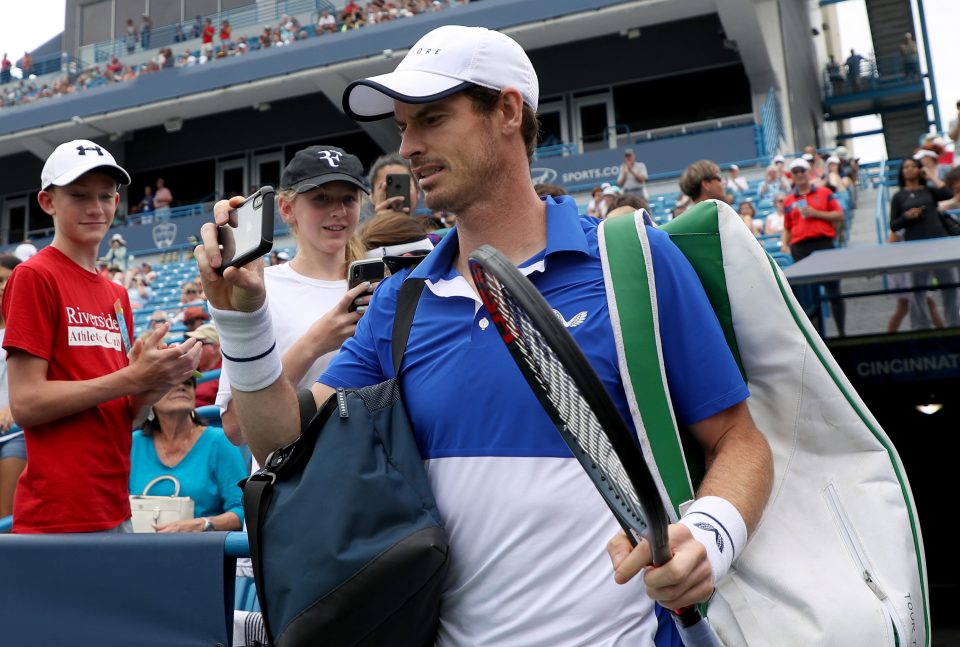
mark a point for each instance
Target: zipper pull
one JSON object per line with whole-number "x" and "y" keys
{"x": 342, "y": 402}
{"x": 877, "y": 591}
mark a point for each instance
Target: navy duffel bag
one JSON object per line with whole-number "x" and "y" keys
{"x": 345, "y": 536}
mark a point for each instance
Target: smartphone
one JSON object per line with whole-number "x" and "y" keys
{"x": 398, "y": 185}
{"x": 248, "y": 233}
{"x": 801, "y": 205}
{"x": 367, "y": 269}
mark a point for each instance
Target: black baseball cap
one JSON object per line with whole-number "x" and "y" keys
{"x": 318, "y": 165}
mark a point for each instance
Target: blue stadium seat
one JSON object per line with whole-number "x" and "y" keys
{"x": 782, "y": 259}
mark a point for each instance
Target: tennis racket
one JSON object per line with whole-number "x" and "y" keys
{"x": 580, "y": 407}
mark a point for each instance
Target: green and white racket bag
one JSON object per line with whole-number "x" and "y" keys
{"x": 837, "y": 558}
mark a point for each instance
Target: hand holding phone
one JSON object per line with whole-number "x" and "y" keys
{"x": 362, "y": 271}
{"x": 398, "y": 186}
{"x": 248, "y": 233}
{"x": 801, "y": 205}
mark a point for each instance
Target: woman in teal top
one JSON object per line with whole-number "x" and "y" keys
{"x": 173, "y": 442}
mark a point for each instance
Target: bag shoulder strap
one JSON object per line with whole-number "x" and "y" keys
{"x": 632, "y": 301}
{"x": 403, "y": 318}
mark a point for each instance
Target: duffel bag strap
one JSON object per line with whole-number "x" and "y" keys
{"x": 403, "y": 319}
{"x": 257, "y": 493}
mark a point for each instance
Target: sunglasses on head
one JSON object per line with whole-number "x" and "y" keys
{"x": 410, "y": 259}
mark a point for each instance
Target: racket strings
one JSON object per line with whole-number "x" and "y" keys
{"x": 579, "y": 421}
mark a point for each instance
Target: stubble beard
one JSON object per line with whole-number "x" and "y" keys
{"x": 478, "y": 180}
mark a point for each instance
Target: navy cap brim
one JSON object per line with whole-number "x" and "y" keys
{"x": 369, "y": 88}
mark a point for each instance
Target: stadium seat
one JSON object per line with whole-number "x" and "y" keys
{"x": 782, "y": 259}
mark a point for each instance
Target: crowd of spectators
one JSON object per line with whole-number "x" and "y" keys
{"x": 217, "y": 41}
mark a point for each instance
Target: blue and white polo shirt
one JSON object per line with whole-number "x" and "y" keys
{"x": 527, "y": 529}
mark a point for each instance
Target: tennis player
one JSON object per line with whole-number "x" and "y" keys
{"x": 526, "y": 526}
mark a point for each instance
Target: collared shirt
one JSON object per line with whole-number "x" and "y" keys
{"x": 820, "y": 198}
{"x": 527, "y": 529}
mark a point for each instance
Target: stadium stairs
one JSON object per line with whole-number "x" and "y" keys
{"x": 889, "y": 21}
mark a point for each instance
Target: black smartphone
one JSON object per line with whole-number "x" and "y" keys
{"x": 248, "y": 233}
{"x": 367, "y": 269}
{"x": 398, "y": 185}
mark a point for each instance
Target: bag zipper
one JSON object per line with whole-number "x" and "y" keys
{"x": 855, "y": 548}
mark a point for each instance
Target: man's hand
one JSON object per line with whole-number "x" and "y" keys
{"x": 686, "y": 579}
{"x": 238, "y": 288}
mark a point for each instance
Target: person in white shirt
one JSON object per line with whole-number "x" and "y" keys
{"x": 633, "y": 175}
{"x": 735, "y": 183}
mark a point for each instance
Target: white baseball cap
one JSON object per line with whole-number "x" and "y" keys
{"x": 447, "y": 60}
{"x": 923, "y": 152}
{"x": 800, "y": 163}
{"x": 833, "y": 159}
{"x": 71, "y": 160}
{"x": 778, "y": 158}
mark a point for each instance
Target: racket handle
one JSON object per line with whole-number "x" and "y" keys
{"x": 695, "y": 630}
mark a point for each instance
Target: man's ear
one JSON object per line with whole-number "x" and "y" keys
{"x": 511, "y": 109}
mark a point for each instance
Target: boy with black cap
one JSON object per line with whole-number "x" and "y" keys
{"x": 77, "y": 384}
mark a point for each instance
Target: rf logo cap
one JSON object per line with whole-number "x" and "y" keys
{"x": 318, "y": 165}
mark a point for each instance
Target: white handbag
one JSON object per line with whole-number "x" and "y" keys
{"x": 148, "y": 511}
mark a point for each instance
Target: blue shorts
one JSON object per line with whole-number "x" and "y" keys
{"x": 16, "y": 447}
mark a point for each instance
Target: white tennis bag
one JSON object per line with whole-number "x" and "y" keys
{"x": 148, "y": 510}
{"x": 837, "y": 558}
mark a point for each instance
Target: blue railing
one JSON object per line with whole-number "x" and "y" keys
{"x": 254, "y": 14}
{"x": 555, "y": 150}
{"x": 169, "y": 213}
{"x": 881, "y": 215}
{"x": 770, "y": 129}
{"x": 873, "y": 73}
{"x": 54, "y": 64}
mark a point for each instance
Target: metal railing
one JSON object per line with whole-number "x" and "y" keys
{"x": 770, "y": 129}
{"x": 58, "y": 63}
{"x": 881, "y": 216}
{"x": 254, "y": 14}
{"x": 169, "y": 213}
{"x": 691, "y": 127}
{"x": 616, "y": 131}
{"x": 872, "y": 73}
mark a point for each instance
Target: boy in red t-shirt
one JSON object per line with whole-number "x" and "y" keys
{"x": 77, "y": 385}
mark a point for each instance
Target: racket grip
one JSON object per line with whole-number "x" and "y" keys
{"x": 695, "y": 630}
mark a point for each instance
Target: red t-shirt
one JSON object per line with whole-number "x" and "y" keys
{"x": 77, "y": 476}
{"x": 207, "y": 35}
{"x": 821, "y": 199}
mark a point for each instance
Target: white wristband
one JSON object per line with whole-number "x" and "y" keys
{"x": 717, "y": 524}
{"x": 248, "y": 347}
